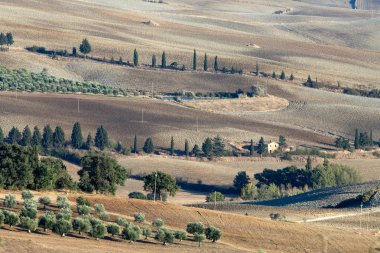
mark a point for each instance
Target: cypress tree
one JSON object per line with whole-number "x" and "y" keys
{"x": 14, "y": 136}
{"x": 370, "y": 138}
{"x": 187, "y": 152}
{"x": 309, "y": 79}
{"x": 76, "y": 136}
{"x": 148, "y": 146}
{"x": 89, "y": 142}
{"x": 74, "y": 51}
{"x": 261, "y": 147}
{"x": 154, "y": 61}
{"x": 135, "y": 145}
{"x": 282, "y": 76}
{"x": 101, "y": 138}
{"x": 58, "y": 137}
{"x": 135, "y": 57}
{"x": 216, "y": 65}
{"x": 195, "y": 60}
{"x": 207, "y": 147}
{"x": 251, "y": 148}
{"x": 257, "y": 69}
{"x": 26, "y": 137}
{"x": 163, "y": 60}
{"x": 47, "y": 137}
{"x": 172, "y": 146}
{"x": 196, "y": 150}
{"x": 36, "y": 138}
{"x": 309, "y": 165}
{"x": 357, "y": 144}
{"x": 10, "y": 40}
{"x": 205, "y": 64}
{"x": 1, "y": 135}
{"x": 274, "y": 76}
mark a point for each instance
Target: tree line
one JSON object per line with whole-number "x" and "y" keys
{"x": 361, "y": 140}
{"x": 6, "y": 39}
{"x": 94, "y": 221}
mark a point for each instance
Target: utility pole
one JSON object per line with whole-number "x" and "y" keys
{"x": 155, "y": 185}
{"x": 78, "y": 104}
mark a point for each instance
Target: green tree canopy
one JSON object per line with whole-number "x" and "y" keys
{"x": 148, "y": 146}
{"x": 101, "y": 138}
{"x": 162, "y": 181}
{"x": 85, "y": 47}
{"x": 58, "y": 137}
{"x": 76, "y": 136}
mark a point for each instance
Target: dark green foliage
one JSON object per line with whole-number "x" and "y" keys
{"x": 89, "y": 142}
{"x": 103, "y": 174}
{"x": 164, "y": 182}
{"x": 195, "y": 227}
{"x": 146, "y": 232}
{"x": 205, "y": 64}
{"x": 62, "y": 227}
{"x": 3, "y": 39}
{"x": 47, "y": 137}
{"x": 83, "y": 210}
{"x": 136, "y": 195}
{"x": 207, "y": 147}
{"x": 113, "y": 229}
{"x": 14, "y": 136}
{"x": 172, "y": 146}
{"x": 282, "y": 76}
{"x": 81, "y": 225}
{"x": 27, "y": 195}
{"x": 10, "y": 201}
{"x": 251, "y": 148}
{"x": 135, "y": 57}
{"x": 139, "y": 217}
{"x": 309, "y": 165}
{"x": 26, "y": 137}
{"x": 44, "y": 201}
{"x": 215, "y": 197}
{"x": 282, "y": 141}
{"x": 135, "y": 149}
{"x": 261, "y": 147}
{"x": 240, "y": 180}
{"x": 187, "y": 151}
{"x": 291, "y": 78}
{"x": 157, "y": 223}
{"x": 82, "y": 201}
{"x": 196, "y": 150}
{"x": 85, "y": 47}
{"x": 36, "y": 138}
{"x": 76, "y": 136}
{"x": 11, "y": 218}
{"x": 47, "y": 220}
{"x": 98, "y": 231}
{"x": 274, "y": 76}
{"x": 218, "y": 146}
{"x": 9, "y": 37}
{"x": 163, "y": 60}
{"x": 52, "y": 174}
{"x": 101, "y": 138}
{"x": 58, "y": 137}
{"x": 74, "y": 51}
{"x": 257, "y": 69}
{"x": 28, "y": 223}
{"x": 213, "y": 234}
{"x": 164, "y": 235}
{"x": 1, "y": 135}
{"x": 148, "y": 146}
{"x": 343, "y": 143}
{"x": 29, "y": 209}
{"x": 309, "y": 80}
{"x": 195, "y": 60}
{"x": 216, "y": 64}
{"x": 334, "y": 175}
{"x": 199, "y": 238}
{"x": 180, "y": 235}
{"x": 154, "y": 61}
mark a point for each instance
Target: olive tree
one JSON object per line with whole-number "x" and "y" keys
{"x": 195, "y": 228}
{"x": 131, "y": 233}
{"x": 83, "y": 210}
{"x": 81, "y": 225}
{"x": 199, "y": 238}
{"x": 157, "y": 223}
{"x": 47, "y": 220}
{"x": 139, "y": 217}
{"x": 11, "y": 218}
{"x": 45, "y": 201}
{"x": 10, "y": 201}
{"x": 180, "y": 235}
{"x": 113, "y": 229}
{"x": 29, "y": 224}
{"x": 164, "y": 235}
{"x": 146, "y": 231}
{"x": 62, "y": 227}
{"x": 27, "y": 195}
{"x": 29, "y": 209}
{"x": 98, "y": 231}
{"x": 213, "y": 234}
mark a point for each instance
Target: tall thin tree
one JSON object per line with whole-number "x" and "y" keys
{"x": 195, "y": 59}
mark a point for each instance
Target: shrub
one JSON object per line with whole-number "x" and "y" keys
{"x": 62, "y": 227}
{"x": 82, "y": 201}
{"x": 180, "y": 235}
{"x": 157, "y": 223}
{"x": 195, "y": 227}
{"x": 104, "y": 216}
{"x": 276, "y": 216}
{"x": 29, "y": 224}
{"x": 131, "y": 233}
{"x": 27, "y": 195}
{"x": 98, "y": 231}
{"x": 248, "y": 192}
{"x": 81, "y": 225}
{"x": 136, "y": 195}
{"x": 215, "y": 196}
{"x": 10, "y": 201}
{"x": 199, "y": 238}
{"x": 99, "y": 208}
{"x": 146, "y": 232}
{"x": 165, "y": 236}
{"x": 268, "y": 192}
{"x": 122, "y": 222}
{"x": 2, "y": 218}
{"x": 47, "y": 220}
{"x": 62, "y": 201}
{"x": 139, "y": 217}
{"x": 44, "y": 201}
{"x": 113, "y": 229}
{"x": 213, "y": 234}
{"x": 29, "y": 209}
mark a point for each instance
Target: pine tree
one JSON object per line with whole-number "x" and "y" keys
{"x": 10, "y": 40}
{"x": 135, "y": 145}
{"x": 187, "y": 152}
{"x": 216, "y": 65}
{"x": 257, "y": 68}
{"x": 148, "y": 146}
{"x": 261, "y": 147}
{"x": 14, "y": 136}
{"x": 218, "y": 146}
{"x": 47, "y": 137}
{"x": 101, "y": 138}
{"x": 135, "y": 57}
{"x": 207, "y": 147}
{"x": 76, "y": 136}
{"x": 195, "y": 60}
{"x": 89, "y": 142}
{"x": 26, "y": 137}
{"x": 357, "y": 139}
{"x": 196, "y": 150}
{"x": 74, "y": 51}
{"x": 309, "y": 165}
{"x": 172, "y": 146}
{"x": 154, "y": 61}
{"x": 58, "y": 137}
{"x": 282, "y": 76}
{"x": 85, "y": 47}
{"x": 36, "y": 138}
{"x": 205, "y": 64}
{"x": 163, "y": 60}
{"x": 251, "y": 148}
